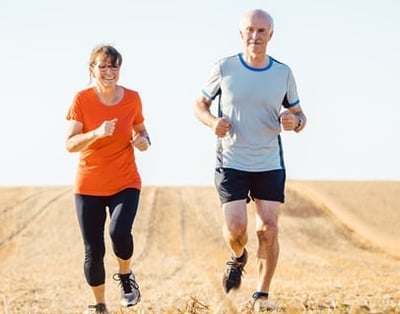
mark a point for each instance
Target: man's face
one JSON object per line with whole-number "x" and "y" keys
{"x": 256, "y": 33}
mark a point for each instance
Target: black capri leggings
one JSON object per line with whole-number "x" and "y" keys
{"x": 92, "y": 212}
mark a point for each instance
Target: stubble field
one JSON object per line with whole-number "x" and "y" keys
{"x": 340, "y": 251}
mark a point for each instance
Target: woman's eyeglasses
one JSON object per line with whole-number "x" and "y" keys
{"x": 103, "y": 68}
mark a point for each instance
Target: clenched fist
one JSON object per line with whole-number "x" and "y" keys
{"x": 106, "y": 128}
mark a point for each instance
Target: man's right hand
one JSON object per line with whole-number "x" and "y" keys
{"x": 221, "y": 126}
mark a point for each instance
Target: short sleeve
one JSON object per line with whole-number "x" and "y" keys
{"x": 292, "y": 97}
{"x": 213, "y": 83}
{"x": 74, "y": 111}
{"x": 138, "y": 117}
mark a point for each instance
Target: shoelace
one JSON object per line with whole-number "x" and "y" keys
{"x": 235, "y": 269}
{"x": 127, "y": 282}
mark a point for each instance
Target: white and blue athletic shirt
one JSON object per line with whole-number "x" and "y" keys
{"x": 252, "y": 99}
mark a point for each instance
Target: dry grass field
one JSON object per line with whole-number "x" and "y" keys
{"x": 340, "y": 251}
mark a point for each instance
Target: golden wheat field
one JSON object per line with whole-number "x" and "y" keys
{"x": 340, "y": 251}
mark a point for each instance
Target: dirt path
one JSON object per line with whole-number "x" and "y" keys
{"x": 180, "y": 256}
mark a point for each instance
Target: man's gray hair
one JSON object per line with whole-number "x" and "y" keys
{"x": 263, "y": 13}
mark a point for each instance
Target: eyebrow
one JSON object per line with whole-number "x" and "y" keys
{"x": 258, "y": 28}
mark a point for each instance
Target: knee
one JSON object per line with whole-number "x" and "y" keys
{"x": 122, "y": 243}
{"x": 267, "y": 234}
{"x": 117, "y": 235}
{"x": 120, "y": 233}
{"x": 94, "y": 253}
{"x": 236, "y": 229}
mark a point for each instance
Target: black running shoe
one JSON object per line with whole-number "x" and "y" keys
{"x": 233, "y": 275}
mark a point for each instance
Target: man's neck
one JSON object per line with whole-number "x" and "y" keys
{"x": 256, "y": 60}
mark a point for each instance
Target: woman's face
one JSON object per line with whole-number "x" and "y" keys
{"x": 104, "y": 72}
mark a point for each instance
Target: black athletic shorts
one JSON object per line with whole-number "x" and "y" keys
{"x": 233, "y": 185}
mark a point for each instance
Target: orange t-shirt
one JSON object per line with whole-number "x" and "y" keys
{"x": 108, "y": 165}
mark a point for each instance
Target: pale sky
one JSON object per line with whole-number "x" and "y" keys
{"x": 344, "y": 55}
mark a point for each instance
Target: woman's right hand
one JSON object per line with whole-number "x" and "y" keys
{"x": 106, "y": 128}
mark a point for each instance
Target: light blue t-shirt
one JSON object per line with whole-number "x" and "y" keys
{"x": 252, "y": 99}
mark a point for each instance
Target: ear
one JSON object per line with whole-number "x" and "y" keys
{"x": 270, "y": 35}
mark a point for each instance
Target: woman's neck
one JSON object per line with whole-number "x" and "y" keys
{"x": 109, "y": 95}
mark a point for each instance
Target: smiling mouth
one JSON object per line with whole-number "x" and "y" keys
{"x": 109, "y": 81}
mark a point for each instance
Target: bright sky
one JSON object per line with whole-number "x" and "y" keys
{"x": 344, "y": 55}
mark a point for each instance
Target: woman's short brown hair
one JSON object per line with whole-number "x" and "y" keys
{"x": 106, "y": 52}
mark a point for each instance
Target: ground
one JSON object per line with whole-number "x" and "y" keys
{"x": 339, "y": 251}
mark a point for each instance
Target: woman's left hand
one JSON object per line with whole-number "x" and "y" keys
{"x": 140, "y": 142}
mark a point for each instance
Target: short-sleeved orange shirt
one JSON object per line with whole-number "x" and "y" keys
{"x": 108, "y": 165}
